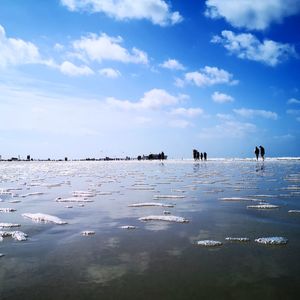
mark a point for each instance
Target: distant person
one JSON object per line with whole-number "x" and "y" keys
{"x": 198, "y": 155}
{"x": 201, "y": 156}
{"x": 262, "y": 152}
{"x": 205, "y": 155}
{"x": 256, "y": 151}
{"x": 195, "y": 154}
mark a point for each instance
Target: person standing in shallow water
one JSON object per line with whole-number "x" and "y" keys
{"x": 205, "y": 155}
{"x": 262, "y": 152}
{"x": 256, "y": 151}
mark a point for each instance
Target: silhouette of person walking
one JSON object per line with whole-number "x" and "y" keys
{"x": 205, "y": 155}
{"x": 262, "y": 152}
{"x": 201, "y": 156}
{"x": 256, "y": 151}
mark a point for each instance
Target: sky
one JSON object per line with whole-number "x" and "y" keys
{"x": 96, "y": 78}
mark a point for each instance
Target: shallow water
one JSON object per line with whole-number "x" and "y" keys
{"x": 157, "y": 259}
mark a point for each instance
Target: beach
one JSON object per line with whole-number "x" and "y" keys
{"x": 130, "y": 229}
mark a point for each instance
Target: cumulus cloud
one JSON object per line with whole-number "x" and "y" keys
{"x": 247, "y": 46}
{"x": 250, "y": 113}
{"x": 228, "y": 129}
{"x": 172, "y": 64}
{"x": 293, "y": 101}
{"x": 15, "y": 51}
{"x": 221, "y": 98}
{"x": 153, "y": 99}
{"x": 70, "y": 69}
{"x": 252, "y": 14}
{"x": 187, "y": 112}
{"x": 110, "y": 73}
{"x": 104, "y": 47}
{"x": 157, "y": 11}
{"x": 209, "y": 76}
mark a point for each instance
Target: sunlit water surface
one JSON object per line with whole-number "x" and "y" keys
{"x": 157, "y": 260}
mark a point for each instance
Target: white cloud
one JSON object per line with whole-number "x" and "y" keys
{"x": 103, "y": 47}
{"x": 122, "y": 104}
{"x": 59, "y": 47}
{"x": 209, "y": 76}
{"x": 187, "y": 112}
{"x": 228, "y": 129}
{"x": 39, "y": 111}
{"x": 247, "y": 46}
{"x": 180, "y": 123}
{"x": 153, "y": 99}
{"x": 70, "y": 69}
{"x": 156, "y": 98}
{"x": 293, "y": 101}
{"x": 110, "y": 73}
{"x": 179, "y": 82}
{"x": 293, "y": 111}
{"x": 225, "y": 117}
{"x": 17, "y": 51}
{"x": 250, "y": 113}
{"x": 252, "y": 14}
{"x": 221, "y": 98}
{"x": 172, "y": 64}
{"x": 156, "y": 11}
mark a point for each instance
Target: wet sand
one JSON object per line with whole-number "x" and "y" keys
{"x": 124, "y": 255}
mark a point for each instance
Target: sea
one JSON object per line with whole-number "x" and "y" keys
{"x": 177, "y": 229}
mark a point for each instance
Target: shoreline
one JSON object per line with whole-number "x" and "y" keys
{"x": 217, "y": 159}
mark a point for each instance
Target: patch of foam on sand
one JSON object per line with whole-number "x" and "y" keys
{"x": 164, "y": 218}
{"x": 233, "y": 199}
{"x": 237, "y": 239}
{"x": 5, "y": 192}
{"x": 263, "y": 206}
{"x": 39, "y": 217}
{"x": 7, "y": 210}
{"x": 209, "y": 243}
{"x": 168, "y": 196}
{"x": 9, "y": 225}
{"x": 128, "y": 227}
{"x": 294, "y": 211}
{"x": 31, "y": 194}
{"x": 83, "y": 194}
{"x": 16, "y": 235}
{"x": 87, "y": 232}
{"x": 275, "y": 240}
{"x": 73, "y": 199}
{"x": 145, "y": 204}
{"x": 264, "y": 196}
{"x": 14, "y": 201}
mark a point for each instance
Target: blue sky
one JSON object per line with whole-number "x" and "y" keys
{"x": 90, "y": 78}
